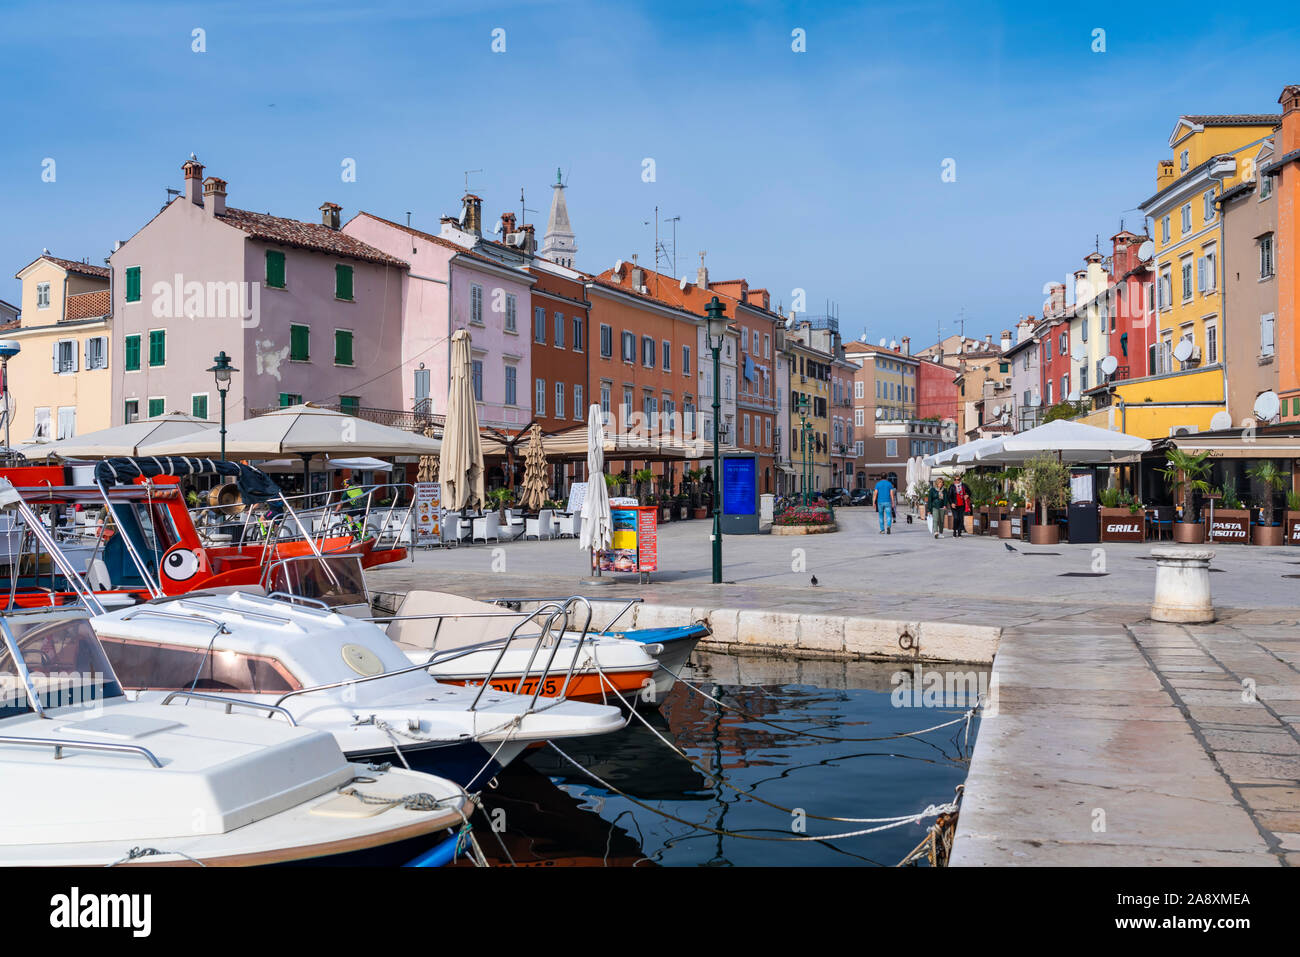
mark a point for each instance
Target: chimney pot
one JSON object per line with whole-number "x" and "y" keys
{"x": 907, "y": 345}
{"x": 329, "y": 214}
{"x": 193, "y": 180}
{"x": 473, "y": 214}
{"x": 702, "y": 276}
{"x": 214, "y": 195}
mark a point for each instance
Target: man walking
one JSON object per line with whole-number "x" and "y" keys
{"x": 885, "y": 505}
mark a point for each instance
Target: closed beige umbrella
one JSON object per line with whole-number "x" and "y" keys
{"x": 533, "y": 494}
{"x": 428, "y": 471}
{"x": 461, "y": 458}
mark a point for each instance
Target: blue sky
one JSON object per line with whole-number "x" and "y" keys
{"x": 817, "y": 170}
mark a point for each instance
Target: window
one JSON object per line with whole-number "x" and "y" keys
{"x": 199, "y": 405}
{"x": 859, "y": 417}
{"x": 891, "y": 448}
{"x": 1208, "y": 199}
{"x": 767, "y": 433}
{"x": 577, "y": 333}
{"x": 744, "y": 429}
{"x": 476, "y": 304}
{"x": 1004, "y": 367}
{"x": 1187, "y": 278}
{"x": 539, "y": 397}
{"x": 42, "y": 295}
{"x": 668, "y": 356}
{"x": 1166, "y": 289}
{"x": 1025, "y": 364}
{"x": 859, "y": 446}
{"x": 604, "y": 398}
{"x": 539, "y": 324}
{"x": 647, "y": 352}
{"x": 1065, "y": 387}
{"x": 290, "y": 398}
{"x": 67, "y": 422}
{"x": 627, "y": 402}
{"x": 629, "y": 347}
{"x": 1187, "y": 217}
{"x": 131, "y": 411}
{"x": 1266, "y": 335}
{"x": 512, "y": 385}
{"x": 1164, "y": 230}
{"x": 299, "y": 348}
{"x": 1211, "y": 343}
{"x": 343, "y": 283}
{"x": 1182, "y": 161}
{"x": 767, "y": 346}
{"x": 1266, "y": 256}
{"x": 41, "y": 424}
{"x": 1047, "y": 346}
{"x": 686, "y": 360}
{"x": 1049, "y": 391}
{"x": 158, "y": 347}
{"x": 157, "y": 405}
{"x": 477, "y": 372}
{"x": 606, "y": 341}
{"x": 512, "y": 312}
{"x": 1083, "y": 378}
{"x": 559, "y": 335}
{"x": 133, "y": 284}
{"x": 688, "y": 415}
{"x": 559, "y": 400}
{"x": 97, "y": 352}
{"x": 342, "y": 347}
{"x": 350, "y": 404}
{"x": 423, "y": 404}
{"x": 579, "y": 412}
{"x": 1083, "y": 335}
{"x": 1064, "y": 344}
{"x": 1265, "y": 187}
{"x": 275, "y": 269}
{"x": 65, "y": 356}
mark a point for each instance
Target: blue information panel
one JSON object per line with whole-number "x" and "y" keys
{"x": 739, "y": 486}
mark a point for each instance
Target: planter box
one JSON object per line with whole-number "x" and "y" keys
{"x": 1045, "y": 534}
{"x": 1231, "y": 525}
{"x": 1189, "y": 533}
{"x": 1121, "y": 525}
{"x": 700, "y": 512}
{"x": 1012, "y": 523}
{"x": 982, "y": 513}
{"x": 996, "y": 515}
{"x": 977, "y": 523}
{"x": 1267, "y": 534}
{"x": 1291, "y": 527}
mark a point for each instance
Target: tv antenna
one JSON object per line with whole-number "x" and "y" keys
{"x": 673, "y": 258}
{"x": 467, "y": 172}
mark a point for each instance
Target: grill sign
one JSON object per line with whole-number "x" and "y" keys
{"x": 1121, "y": 531}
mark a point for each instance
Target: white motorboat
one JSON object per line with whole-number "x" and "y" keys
{"x": 334, "y": 673}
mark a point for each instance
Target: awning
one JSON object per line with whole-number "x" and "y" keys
{"x": 1237, "y": 448}
{"x": 787, "y": 469}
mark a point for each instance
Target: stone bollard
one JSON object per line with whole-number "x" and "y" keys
{"x": 1182, "y": 584}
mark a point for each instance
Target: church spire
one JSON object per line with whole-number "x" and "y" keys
{"x": 559, "y": 245}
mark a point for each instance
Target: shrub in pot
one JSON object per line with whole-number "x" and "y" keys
{"x": 1185, "y": 473}
{"x": 1046, "y": 483}
{"x": 1269, "y": 531}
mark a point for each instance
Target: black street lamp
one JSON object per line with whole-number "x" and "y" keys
{"x": 221, "y": 372}
{"x": 804, "y": 427}
{"x": 716, "y": 329}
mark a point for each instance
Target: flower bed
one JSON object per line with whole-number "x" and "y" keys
{"x": 804, "y": 520}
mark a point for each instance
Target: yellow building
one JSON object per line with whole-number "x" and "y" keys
{"x": 810, "y": 377}
{"x": 1187, "y": 385}
{"x": 59, "y": 383}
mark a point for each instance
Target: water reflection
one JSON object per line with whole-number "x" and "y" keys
{"x": 804, "y": 742}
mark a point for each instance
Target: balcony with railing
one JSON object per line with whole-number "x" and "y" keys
{"x": 411, "y": 421}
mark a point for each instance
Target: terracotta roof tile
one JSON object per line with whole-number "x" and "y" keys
{"x": 1229, "y": 119}
{"x": 88, "y": 305}
{"x": 436, "y": 240}
{"x": 293, "y": 232}
{"x": 71, "y": 265}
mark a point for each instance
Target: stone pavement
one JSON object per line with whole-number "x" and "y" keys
{"x": 1112, "y": 740}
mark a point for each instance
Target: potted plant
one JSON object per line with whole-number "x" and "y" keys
{"x": 1231, "y": 517}
{"x": 1185, "y": 473}
{"x": 501, "y": 499}
{"x": 1274, "y": 480}
{"x": 1293, "y": 518}
{"x": 643, "y": 478}
{"x": 1046, "y": 483}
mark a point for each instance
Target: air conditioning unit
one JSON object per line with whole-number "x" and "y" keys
{"x": 1178, "y": 430}
{"x": 1196, "y": 354}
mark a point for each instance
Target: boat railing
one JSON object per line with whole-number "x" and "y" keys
{"x": 231, "y": 703}
{"x": 58, "y": 744}
{"x": 627, "y": 604}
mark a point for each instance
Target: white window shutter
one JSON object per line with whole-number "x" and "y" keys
{"x": 55, "y": 364}
{"x": 76, "y": 349}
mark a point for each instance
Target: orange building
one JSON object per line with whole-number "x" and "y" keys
{"x": 1278, "y": 253}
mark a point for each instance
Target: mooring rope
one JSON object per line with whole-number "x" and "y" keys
{"x": 138, "y": 852}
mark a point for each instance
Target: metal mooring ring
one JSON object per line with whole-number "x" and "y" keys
{"x": 906, "y": 641}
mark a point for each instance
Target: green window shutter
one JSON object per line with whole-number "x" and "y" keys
{"x": 343, "y": 282}
{"x": 290, "y": 398}
{"x": 156, "y": 407}
{"x": 133, "y": 284}
{"x": 350, "y": 404}
{"x": 342, "y": 347}
{"x": 158, "y": 347}
{"x": 132, "y": 353}
{"x": 199, "y": 406}
{"x": 275, "y": 268}
{"x": 298, "y": 343}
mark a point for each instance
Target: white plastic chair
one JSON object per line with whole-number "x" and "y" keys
{"x": 514, "y": 526}
{"x": 489, "y": 526}
{"x": 568, "y": 525}
{"x": 543, "y": 526}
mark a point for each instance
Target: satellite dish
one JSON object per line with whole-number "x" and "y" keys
{"x": 618, "y": 265}
{"x": 1222, "y": 420}
{"x": 464, "y": 211}
{"x": 862, "y": 338}
{"x": 1006, "y": 418}
{"x": 880, "y": 413}
{"x": 893, "y": 343}
{"x": 1109, "y": 365}
{"x": 10, "y": 348}
{"x": 683, "y": 284}
{"x": 501, "y": 224}
{"x": 1267, "y": 405}
{"x": 997, "y": 410}
{"x": 882, "y": 343}
{"x": 1073, "y": 396}
{"x": 789, "y": 323}
{"x": 1146, "y": 250}
{"x": 1183, "y": 350}
{"x": 1080, "y": 354}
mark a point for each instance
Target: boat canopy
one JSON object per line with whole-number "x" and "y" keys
{"x": 254, "y": 485}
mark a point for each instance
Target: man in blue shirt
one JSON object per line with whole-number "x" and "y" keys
{"x": 885, "y": 505}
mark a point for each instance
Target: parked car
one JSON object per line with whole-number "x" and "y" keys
{"x": 860, "y": 496}
{"x": 836, "y": 497}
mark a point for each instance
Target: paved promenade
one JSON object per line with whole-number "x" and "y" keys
{"x": 1113, "y": 739}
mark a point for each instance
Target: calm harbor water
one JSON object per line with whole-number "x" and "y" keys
{"x": 549, "y": 813}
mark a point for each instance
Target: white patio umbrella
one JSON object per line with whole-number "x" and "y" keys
{"x": 121, "y": 439}
{"x": 460, "y": 468}
{"x": 1072, "y": 442}
{"x": 958, "y": 453}
{"x": 597, "y": 529}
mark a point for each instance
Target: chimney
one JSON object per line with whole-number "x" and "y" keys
{"x": 473, "y": 214}
{"x": 530, "y": 242}
{"x": 638, "y": 278}
{"x": 214, "y": 195}
{"x": 907, "y": 345}
{"x": 1165, "y": 174}
{"x": 507, "y": 225}
{"x": 193, "y": 180}
{"x": 702, "y": 276}
{"x": 988, "y": 340}
{"x": 1006, "y": 339}
{"x": 329, "y": 214}
{"x": 1290, "y": 100}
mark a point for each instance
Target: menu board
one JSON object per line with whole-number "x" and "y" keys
{"x": 647, "y": 539}
{"x": 577, "y": 495}
{"x": 428, "y": 509}
{"x": 635, "y": 543}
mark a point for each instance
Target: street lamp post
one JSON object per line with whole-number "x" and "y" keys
{"x": 806, "y": 477}
{"x": 716, "y": 329}
{"x": 221, "y": 371}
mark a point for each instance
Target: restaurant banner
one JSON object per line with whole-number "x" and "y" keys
{"x": 635, "y": 543}
{"x": 428, "y": 509}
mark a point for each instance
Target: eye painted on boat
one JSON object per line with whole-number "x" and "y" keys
{"x": 180, "y": 565}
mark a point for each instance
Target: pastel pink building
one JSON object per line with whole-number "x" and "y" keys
{"x": 449, "y": 287}
{"x": 305, "y": 311}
